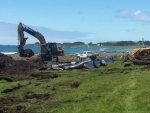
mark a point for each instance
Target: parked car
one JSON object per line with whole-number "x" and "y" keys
{"x": 84, "y": 54}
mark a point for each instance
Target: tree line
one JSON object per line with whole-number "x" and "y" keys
{"x": 117, "y": 43}
{"x": 125, "y": 43}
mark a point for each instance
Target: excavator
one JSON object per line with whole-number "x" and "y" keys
{"x": 48, "y": 51}
{"x": 139, "y": 55}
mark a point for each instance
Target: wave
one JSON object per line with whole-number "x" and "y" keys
{"x": 9, "y": 53}
{"x": 103, "y": 49}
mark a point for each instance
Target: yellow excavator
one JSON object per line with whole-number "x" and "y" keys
{"x": 139, "y": 55}
{"x": 48, "y": 50}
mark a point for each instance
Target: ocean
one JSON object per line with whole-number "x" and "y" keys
{"x": 12, "y": 49}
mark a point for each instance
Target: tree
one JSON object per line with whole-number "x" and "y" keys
{"x": 78, "y": 43}
{"x": 37, "y": 43}
{"x": 90, "y": 43}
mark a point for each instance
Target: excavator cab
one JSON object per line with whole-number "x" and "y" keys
{"x": 52, "y": 51}
{"x": 51, "y": 48}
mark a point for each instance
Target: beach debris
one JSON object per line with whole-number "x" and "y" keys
{"x": 88, "y": 63}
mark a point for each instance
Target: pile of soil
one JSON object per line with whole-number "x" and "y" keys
{"x": 10, "y": 66}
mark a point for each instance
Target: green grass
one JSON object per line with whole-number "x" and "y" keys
{"x": 110, "y": 89}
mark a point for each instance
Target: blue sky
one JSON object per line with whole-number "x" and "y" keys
{"x": 79, "y": 20}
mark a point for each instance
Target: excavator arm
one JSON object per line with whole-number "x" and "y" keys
{"x": 23, "y": 28}
{"x": 22, "y": 40}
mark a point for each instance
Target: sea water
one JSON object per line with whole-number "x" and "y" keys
{"x": 12, "y": 49}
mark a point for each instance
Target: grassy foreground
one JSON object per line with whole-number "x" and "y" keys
{"x": 110, "y": 89}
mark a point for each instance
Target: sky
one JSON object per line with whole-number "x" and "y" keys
{"x": 76, "y": 20}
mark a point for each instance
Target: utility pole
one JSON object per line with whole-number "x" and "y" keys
{"x": 143, "y": 42}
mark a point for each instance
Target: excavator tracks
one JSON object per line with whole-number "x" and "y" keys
{"x": 141, "y": 62}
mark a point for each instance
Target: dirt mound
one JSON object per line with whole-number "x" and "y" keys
{"x": 10, "y": 66}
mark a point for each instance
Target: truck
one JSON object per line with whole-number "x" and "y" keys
{"x": 84, "y": 54}
{"x": 48, "y": 51}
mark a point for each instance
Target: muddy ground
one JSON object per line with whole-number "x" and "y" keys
{"x": 16, "y": 65}
{"x": 14, "y": 68}
{"x": 14, "y": 104}
{"x": 9, "y": 65}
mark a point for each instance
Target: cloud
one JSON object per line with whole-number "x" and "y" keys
{"x": 8, "y": 34}
{"x": 134, "y": 15}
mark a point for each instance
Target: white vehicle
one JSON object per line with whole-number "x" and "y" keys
{"x": 84, "y": 54}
